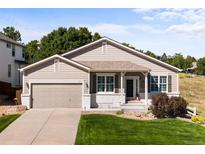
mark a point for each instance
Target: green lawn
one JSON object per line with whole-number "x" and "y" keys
{"x": 6, "y": 120}
{"x": 108, "y": 129}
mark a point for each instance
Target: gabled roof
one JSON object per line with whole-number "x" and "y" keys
{"x": 125, "y": 47}
{"x": 7, "y": 39}
{"x": 53, "y": 57}
{"x": 113, "y": 66}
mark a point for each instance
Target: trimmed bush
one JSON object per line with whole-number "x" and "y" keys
{"x": 198, "y": 119}
{"x": 177, "y": 107}
{"x": 163, "y": 106}
{"x": 159, "y": 105}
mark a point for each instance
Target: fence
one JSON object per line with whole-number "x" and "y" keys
{"x": 18, "y": 96}
{"x": 191, "y": 110}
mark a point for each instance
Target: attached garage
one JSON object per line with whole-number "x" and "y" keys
{"x": 56, "y": 95}
{"x": 55, "y": 82}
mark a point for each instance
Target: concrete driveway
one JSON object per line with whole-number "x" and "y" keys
{"x": 43, "y": 126}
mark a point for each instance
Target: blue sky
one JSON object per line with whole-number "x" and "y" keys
{"x": 158, "y": 30}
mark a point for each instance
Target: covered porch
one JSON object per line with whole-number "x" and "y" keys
{"x": 117, "y": 84}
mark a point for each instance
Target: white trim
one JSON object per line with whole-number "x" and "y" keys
{"x": 146, "y": 88}
{"x": 23, "y": 76}
{"x": 52, "y": 57}
{"x": 105, "y": 75}
{"x": 88, "y": 82}
{"x": 123, "y": 46}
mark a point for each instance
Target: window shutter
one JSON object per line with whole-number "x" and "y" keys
{"x": 94, "y": 84}
{"x": 149, "y": 78}
{"x": 169, "y": 83}
{"x": 116, "y": 83}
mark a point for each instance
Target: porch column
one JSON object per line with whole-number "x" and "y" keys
{"x": 121, "y": 86}
{"x": 88, "y": 83}
{"x": 146, "y": 88}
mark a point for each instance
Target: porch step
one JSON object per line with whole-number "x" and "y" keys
{"x": 134, "y": 107}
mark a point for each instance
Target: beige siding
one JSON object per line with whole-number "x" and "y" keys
{"x": 47, "y": 71}
{"x": 114, "y": 53}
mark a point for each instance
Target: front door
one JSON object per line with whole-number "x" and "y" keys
{"x": 129, "y": 88}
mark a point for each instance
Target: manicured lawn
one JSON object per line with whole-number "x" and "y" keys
{"x": 108, "y": 129}
{"x": 6, "y": 120}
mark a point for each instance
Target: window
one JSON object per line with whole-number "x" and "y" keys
{"x": 8, "y": 45}
{"x": 109, "y": 83}
{"x": 105, "y": 83}
{"x": 158, "y": 83}
{"x": 163, "y": 83}
{"x": 9, "y": 70}
{"x": 101, "y": 83}
{"x": 13, "y": 50}
{"x": 154, "y": 83}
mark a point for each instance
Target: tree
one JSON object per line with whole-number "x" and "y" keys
{"x": 59, "y": 41}
{"x": 178, "y": 60}
{"x": 164, "y": 57}
{"x": 201, "y": 66}
{"x": 151, "y": 54}
{"x": 96, "y": 36}
{"x": 12, "y": 33}
{"x": 32, "y": 52}
{"x": 128, "y": 45}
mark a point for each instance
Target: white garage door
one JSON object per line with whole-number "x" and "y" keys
{"x": 56, "y": 95}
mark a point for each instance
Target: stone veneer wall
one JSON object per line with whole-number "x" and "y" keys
{"x": 12, "y": 109}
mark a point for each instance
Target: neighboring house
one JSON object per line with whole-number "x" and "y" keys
{"x": 103, "y": 74}
{"x": 11, "y": 58}
{"x": 191, "y": 69}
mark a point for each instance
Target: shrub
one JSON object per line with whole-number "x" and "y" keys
{"x": 119, "y": 112}
{"x": 198, "y": 119}
{"x": 177, "y": 107}
{"x": 163, "y": 106}
{"x": 159, "y": 105}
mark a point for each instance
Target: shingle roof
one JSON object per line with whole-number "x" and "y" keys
{"x": 114, "y": 66}
{"x": 5, "y": 38}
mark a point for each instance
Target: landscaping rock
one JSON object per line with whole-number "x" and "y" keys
{"x": 138, "y": 115}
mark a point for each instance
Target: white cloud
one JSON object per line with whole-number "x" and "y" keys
{"x": 193, "y": 30}
{"x": 118, "y": 29}
{"x": 106, "y": 28}
{"x": 148, "y": 18}
{"x": 142, "y": 10}
{"x": 189, "y": 22}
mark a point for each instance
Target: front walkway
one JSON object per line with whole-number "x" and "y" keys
{"x": 43, "y": 126}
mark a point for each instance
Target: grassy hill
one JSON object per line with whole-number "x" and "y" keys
{"x": 192, "y": 88}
